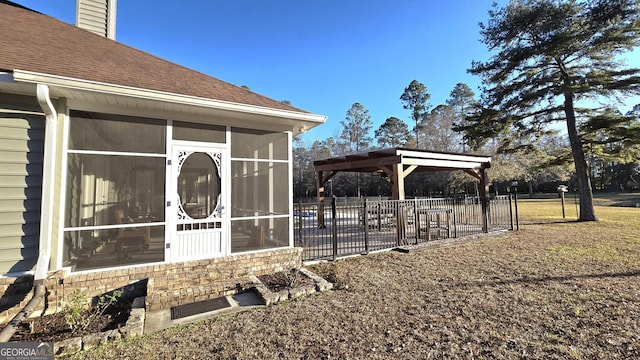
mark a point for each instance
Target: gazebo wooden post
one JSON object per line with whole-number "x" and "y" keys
{"x": 320, "y": 187}
{"x": 484, "y": 201}
{"x": 397, "y": 182}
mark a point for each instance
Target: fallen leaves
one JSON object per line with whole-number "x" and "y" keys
{"x": 515, "y": 296}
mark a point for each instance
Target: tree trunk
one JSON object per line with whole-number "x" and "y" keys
{"x": 587, "y": 212}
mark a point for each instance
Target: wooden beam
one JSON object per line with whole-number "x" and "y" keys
{"x": 359, "y": 164}
{"x": 442, "y": 163}
{"x": 408, "y": 171}
{"x": 386, "y": 170}
{"x": 328, "y": 177}
{"x": 445, "y": 156}
{"x": 473, "y": 172}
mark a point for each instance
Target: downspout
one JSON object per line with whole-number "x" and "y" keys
{"x": 46, "y": 218}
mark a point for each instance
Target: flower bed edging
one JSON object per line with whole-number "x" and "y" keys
{"x": 133, "y": 327}
{"x": 270, "y": 298}
{"x": 135, "y": 323}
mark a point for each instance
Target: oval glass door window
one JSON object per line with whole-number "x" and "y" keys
{"x": 199, "y": 186}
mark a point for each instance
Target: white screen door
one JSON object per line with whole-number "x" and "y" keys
{"x": 198, "y": 197}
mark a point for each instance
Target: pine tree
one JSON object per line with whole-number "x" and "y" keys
{"x": 550, "y": 54}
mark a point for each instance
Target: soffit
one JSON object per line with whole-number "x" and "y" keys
{"x": 126, "y": 105}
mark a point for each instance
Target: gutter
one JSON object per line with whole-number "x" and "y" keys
{"x": 48, "y": 176}
{"x": 46, "y": 218}
{"x": 140, "y": 93}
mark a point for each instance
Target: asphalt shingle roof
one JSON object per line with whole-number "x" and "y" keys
{"x": 35, "y": 42}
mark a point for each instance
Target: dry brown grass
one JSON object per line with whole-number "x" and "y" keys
{"x": 554, "y": 290}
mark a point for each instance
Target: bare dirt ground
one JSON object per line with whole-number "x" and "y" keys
{"x": 53, "y": 328}
{"x": 557, "y": 290}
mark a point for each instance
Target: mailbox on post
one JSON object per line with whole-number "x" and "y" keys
{"x": 561, "y": 190}
{"x": 514, "y": 189}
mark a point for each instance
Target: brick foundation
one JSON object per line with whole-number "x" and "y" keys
{"x": 167, "y": 285}
{"x": 16, "y": 293}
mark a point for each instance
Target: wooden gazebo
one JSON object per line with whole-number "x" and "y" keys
{"x": 397, "y": 164}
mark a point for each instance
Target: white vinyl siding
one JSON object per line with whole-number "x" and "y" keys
{"x": 21, "y": 153}
{"x": 93, "y": 15}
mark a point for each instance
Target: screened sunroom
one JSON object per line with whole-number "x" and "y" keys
{"x": 141, "y": 191}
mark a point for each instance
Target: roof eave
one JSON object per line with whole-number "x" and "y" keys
{"x": 303, "y": 120}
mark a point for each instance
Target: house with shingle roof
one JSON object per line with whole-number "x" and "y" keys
{"x": 120, "y": 167}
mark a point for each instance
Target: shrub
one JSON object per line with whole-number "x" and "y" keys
{"x": 75, "y": 312}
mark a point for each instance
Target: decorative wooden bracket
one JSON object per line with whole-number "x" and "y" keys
{"x": 474, "y": 172}
{"x": 387, "y": 171}
{"x": 325, "y": 179}
{"x": 409, "y": 170}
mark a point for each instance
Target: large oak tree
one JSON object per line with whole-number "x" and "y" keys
{"x": 549, "y": 55}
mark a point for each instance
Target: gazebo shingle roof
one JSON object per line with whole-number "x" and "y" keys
{"x": 31, "y": 41}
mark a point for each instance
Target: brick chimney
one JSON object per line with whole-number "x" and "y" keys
{"x": 97, "y": 16}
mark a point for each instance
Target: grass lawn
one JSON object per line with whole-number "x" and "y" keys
{"x": 556, "y": 289}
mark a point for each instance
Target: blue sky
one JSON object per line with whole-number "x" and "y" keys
{"x": 323, "y": 55}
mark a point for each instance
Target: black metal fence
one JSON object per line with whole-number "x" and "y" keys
{"x": 359, "y": 226}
